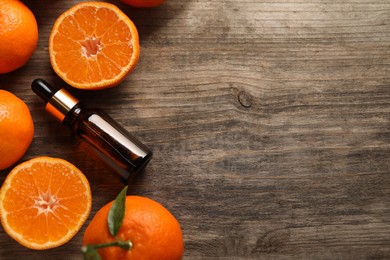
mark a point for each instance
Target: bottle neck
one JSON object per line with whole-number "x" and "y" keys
{"x": 74, "y": 115}
{"x": 61, "y": 103}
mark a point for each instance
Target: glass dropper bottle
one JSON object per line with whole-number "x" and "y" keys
{"x": 116, "y": 146}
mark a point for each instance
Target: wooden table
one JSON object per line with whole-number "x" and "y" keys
{"x": 269, "y": 122}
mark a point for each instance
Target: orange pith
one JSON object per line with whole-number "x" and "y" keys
{"x": 93, "y": 45}
{"x": 44, "y": 202}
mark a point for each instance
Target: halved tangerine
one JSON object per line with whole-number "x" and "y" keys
{"x": 93, "y": 45}
{"x": 44, "y": 202}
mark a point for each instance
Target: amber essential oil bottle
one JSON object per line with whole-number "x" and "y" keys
{"x": 117, "y": 147}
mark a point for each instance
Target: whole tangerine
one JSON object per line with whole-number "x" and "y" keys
{"x": 152, "y": 230}
{"x": 18, "y": 35}
{"x": 16, "y": 129}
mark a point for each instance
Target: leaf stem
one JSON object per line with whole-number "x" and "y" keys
{"x": 126, "y": 245}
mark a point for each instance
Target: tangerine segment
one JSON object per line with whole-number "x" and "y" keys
{"x": 93, "y": 45}
{"x": 44, "y": 202}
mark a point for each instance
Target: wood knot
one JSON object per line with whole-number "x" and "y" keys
{"x": 272, "y": 241}
{"x": 244, "y": 99}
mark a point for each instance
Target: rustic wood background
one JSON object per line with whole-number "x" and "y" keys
{"x": 269, "y": 122}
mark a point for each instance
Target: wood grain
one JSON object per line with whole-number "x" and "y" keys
{"x": 269, "y": 122}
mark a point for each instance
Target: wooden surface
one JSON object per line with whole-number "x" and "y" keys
{"x": 269, "y": 122}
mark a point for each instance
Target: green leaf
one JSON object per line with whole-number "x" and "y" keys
{"x": 117, "y": 212}
{"x": 90, "y": 253}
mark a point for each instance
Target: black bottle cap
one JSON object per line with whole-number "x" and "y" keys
{"x": 43, "y": 89}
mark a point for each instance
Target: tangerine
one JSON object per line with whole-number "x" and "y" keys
{"x": 93, "y": 45}
{"x": 16, "y": 129}
{"x": 44, "y": 202}
{"x": 143, "y": 3}
{"x": 153, "y": 231}
{"x": 18, "y": 35}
